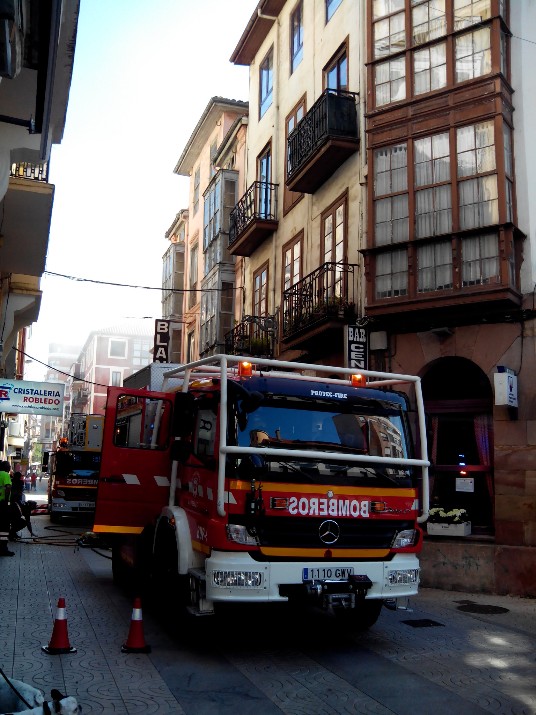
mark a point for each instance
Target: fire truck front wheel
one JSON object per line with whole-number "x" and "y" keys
{"x": 169, "y": 588}
{"x": 363, "y": 616}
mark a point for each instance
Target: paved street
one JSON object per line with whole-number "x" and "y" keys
{"x": 436, "y": 659}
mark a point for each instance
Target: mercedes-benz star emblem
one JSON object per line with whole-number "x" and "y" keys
{"x": 329, "y": 531}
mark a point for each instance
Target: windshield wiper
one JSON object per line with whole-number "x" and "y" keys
{"x": 382, "y": 475}
{"x": 293, "y": 468}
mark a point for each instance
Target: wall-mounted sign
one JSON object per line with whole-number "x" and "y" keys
{"x": 31, "y": 398}
{"x": 356, "y": 347}
{"x": 505, "y": 383}
{"x": 161, "y": 341}
{"x": 465, "y": 484}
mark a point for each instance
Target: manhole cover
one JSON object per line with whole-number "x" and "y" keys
{"x": 423, "y": 623}
{"x": 482, "y": 608}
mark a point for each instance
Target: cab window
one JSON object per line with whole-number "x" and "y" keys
{"x": 205, "y": 430}
{"x": 142, "y": 423}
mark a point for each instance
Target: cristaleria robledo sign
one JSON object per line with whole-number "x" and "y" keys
{"x": 31, "y": 398}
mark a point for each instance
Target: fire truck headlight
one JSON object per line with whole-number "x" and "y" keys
{"x": 240, "y": 535}
{"x": 405, "y": 538}
{"x": 237, "y": 579}
{"x": 402, "y": 576}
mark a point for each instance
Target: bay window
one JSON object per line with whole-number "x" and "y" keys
{"x": 430, "y": 68}
{"x": 434, "y": 267}
{"x": 480, "y": 260}
{"x": 391, "y": 214}
{"x": 392, "y": 274}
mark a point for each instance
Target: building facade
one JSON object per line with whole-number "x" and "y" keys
{"x": 173, "y": 282}
{"x": 209, "y": 266}
{"x": 389, "y": 169}
{"x": 36, "y": 61}
{"x": 299, "y": 224}
{"x": 450, "y": 264}
{"x": 108, "y": 356}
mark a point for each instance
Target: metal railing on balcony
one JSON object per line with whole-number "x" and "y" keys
{"x": 333, "y": 115}
{"x": 26, "y": 170}
{"x": 255, "y": 336}
{"x": 259, "y": 203}
{"x": 326, "y": 293}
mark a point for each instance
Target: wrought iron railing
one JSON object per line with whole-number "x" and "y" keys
{"x": 259, "y": 203}
{"x": 327, "y": 292}
{"x": 254, "y": 336}
{"x": 334, "y": 114}
{"x": 26, "y": 170}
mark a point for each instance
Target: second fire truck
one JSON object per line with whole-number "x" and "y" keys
{"x": 272, "y": 482}
{"x": 74, "y": 469}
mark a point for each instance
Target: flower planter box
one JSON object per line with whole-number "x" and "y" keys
{"x": 461, "y": 529}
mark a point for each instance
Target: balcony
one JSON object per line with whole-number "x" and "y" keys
{"x": 322, "y": 141}
{"x": 254, "y": 336}
{"x": 253, "y": 218}
{"x": 322, "y": 302}
{"x": 79, "y": 398}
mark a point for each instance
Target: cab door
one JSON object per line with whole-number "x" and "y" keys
{"x": 135, "y": 468}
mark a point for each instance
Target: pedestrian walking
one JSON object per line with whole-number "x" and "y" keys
{"x": 33, "y": 482}
{"x": 27, "y": 482}
{"x": 5, "y": 489}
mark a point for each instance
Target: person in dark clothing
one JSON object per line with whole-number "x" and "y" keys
{"x": 17, "y": 507}
{"x": 5, "y": 489}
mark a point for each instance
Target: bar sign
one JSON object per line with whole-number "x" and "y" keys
{"x": 356, "y": 347}
{"x": 161, "y": 341}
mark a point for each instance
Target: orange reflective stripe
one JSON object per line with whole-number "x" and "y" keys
{"x": 104, "y": 529}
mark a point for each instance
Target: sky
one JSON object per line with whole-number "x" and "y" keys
{"x": 143, "y": 75}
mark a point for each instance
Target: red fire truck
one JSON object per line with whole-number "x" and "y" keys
{"x": 74, "y": 468}
{"x": 266, "y": 482}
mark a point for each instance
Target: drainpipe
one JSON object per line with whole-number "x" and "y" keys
{"x": 275, "y": 162}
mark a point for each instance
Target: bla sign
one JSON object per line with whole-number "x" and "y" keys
{"x": 161, "y": 341}
{"x": 356, "y": 347}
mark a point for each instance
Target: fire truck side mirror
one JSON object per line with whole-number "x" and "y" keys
{"x": 183, "y": 414}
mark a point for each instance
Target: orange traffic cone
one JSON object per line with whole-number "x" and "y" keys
{"x": 59, "y": 642}
{"x": 135, "y": 642}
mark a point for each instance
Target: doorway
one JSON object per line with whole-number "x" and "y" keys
{"x": 459, "y": 407}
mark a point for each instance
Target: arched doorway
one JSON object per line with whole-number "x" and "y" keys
{"x": 459, "y": 407}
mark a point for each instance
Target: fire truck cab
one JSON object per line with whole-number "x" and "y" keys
{"x": 267, "y": 482}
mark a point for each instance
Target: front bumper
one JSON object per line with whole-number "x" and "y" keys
{"x": 233, "y": 577}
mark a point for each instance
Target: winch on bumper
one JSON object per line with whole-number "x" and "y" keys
{"x": 331, "y": 594}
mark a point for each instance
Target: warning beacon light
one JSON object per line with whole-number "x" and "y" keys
{"x": 245, "y": 368}
{"x": 462, "y": 464}
{"x": 358, "y": 380}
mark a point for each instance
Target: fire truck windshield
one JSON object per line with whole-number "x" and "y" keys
{"x": 375, "y": 429}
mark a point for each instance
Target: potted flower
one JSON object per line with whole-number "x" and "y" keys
{"x": 448, "y": 522}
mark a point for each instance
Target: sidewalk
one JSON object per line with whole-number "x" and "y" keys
{"x": 98, "y": 618}
{"x": 499, "y": 660}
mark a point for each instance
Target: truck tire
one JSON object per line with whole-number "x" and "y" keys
{"x": 121, "y": 573}
{"x": 363, "y": 616}
{"x": 169, "y": 590}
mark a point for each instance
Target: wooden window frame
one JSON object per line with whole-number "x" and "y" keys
{"x": 332, "y": 210}
{"x": 262, "y": 98}
{"x": 342, "y": 51}
{"x": 291, "y": 198}
{"x": 295, "y": 57}
{"x": 258, "y": 304}
{"x": 289, "y": 246}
